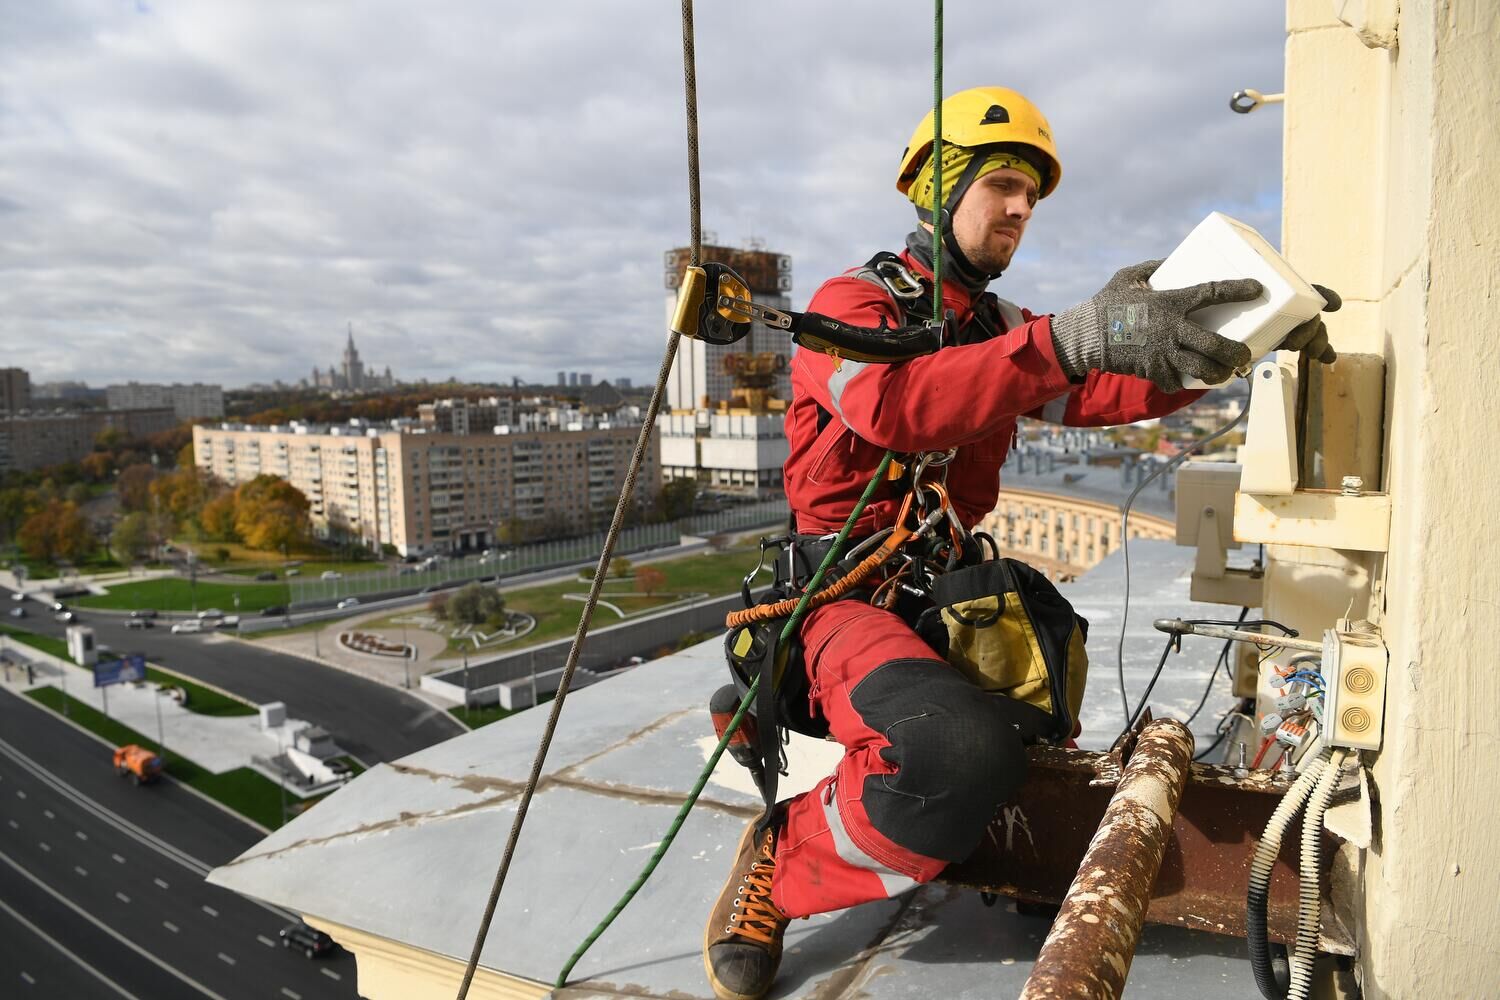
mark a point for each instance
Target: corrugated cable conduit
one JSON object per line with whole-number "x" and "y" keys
{"x": 1271, "y": 985}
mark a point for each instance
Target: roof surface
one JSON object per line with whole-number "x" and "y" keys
{"x": 407, "y": 850}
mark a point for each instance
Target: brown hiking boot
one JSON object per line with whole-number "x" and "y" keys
{"x": 742, "y": 944}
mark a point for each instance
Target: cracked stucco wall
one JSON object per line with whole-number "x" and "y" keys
{"x": 1392, "y": 196}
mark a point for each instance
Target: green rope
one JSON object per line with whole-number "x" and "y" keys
{"x": 729, "y": 731}
{"x": 937, "y": 160}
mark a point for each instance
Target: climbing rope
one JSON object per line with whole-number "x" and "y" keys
{"x": 695, "y": 251}
{"x": 610, "y": 539}
{"x": 812, "y": 591}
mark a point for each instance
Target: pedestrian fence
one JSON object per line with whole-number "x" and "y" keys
{"x": 529, "y": 558}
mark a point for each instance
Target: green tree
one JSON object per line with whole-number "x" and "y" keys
{"x": 620, "y": 566}
{"x": 16, "y": 505}
{"x": 77, "y": 494}
{"x": 676, "y": 499}
{"x": 476, "y": 604}
{"x": 131, "y": 537}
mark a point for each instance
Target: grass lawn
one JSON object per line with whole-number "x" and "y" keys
{"x": 99, "y": 561}
{"x": 204, "y": 701}
{"x": 246, "y": 791}
{"x": 172, "y": 593}
{"x": 712, "y": 573}
{"x": 483, "y": 715}
{"x": 309, "y": 568}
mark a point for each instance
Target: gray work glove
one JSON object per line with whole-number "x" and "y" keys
{"x": 1130, "y": 328}
{"x": 1311, "y": 338}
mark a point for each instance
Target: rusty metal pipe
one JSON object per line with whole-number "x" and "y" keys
{"x": 1088, "y": 951}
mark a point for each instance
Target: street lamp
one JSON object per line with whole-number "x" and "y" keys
{"x": 161, "y": 739}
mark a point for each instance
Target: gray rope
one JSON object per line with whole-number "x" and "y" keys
{"x": 615, "y": 524}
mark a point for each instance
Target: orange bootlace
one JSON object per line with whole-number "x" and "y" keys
{"x": 755, "y": 916}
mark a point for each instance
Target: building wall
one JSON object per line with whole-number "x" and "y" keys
{"x": 35, "y": 441}
{"x": 432, "y": 492}
{"x": 1392, "y": 197}
{"x": 190, "y": 402}
{"x": 15, "y": 390}
{"x": 1060, "y": 535}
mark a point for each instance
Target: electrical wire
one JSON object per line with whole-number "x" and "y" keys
{"x": 1222, "y": 661}
{"x": 1162, "y": 469}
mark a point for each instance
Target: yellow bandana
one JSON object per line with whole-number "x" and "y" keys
{"x": 955, "y": 159}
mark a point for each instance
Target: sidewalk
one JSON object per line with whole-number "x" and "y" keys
{"x": 217, "y": 744}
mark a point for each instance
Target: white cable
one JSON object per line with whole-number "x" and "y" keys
{"x": 1165, "y": 467}
{"x": 1310, "y": 875}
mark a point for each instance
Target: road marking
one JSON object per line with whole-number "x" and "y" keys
{"x": 49, "y": 814}
{"x": 80, "y": 870}
{"x": 122, "y": 897}
{"x": 80, "y": 835}
{"x": 161, "y": 883}
{"x": 331, "y": 974}
{"x": 44, "y": 845}
{"x": 292, "y": 994}
{"x": 117, "y": 859}
{"x": 106, "y": 928}
{"x": 60, "y": 947}
{"x": 20, "y": 794}
{"x": 170, "y": 926}
{"x": 225, "y": 958}
{"x": 27, "y": 977}
{"x": 210, "y": 910}
{"x": 265, "y": 941}
{"x": 14, "y": 825}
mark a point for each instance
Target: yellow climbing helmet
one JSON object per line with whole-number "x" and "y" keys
{"x": 985, "y": 116}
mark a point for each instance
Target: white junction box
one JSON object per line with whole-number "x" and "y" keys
{"x": 1221, "y": 248}
{"x": 1354, "y": 671}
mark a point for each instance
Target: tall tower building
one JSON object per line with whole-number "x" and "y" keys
{"x": 354, "y": 369}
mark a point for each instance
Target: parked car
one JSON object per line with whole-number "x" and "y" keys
{"x": 273, "y": 611}
{"x": 59, "y": 606}
{"x": 139, "y": 623}
{"x": 18, "y": 612}
{"x": 348, "y": 602}
{"x": 293, "y": 572}
{"x": 330, "y": 574}
{"x": 144, "y": 613}
{"x": 310, "y": 941}
{"x": 210, "y": 613}
{"x": 16, "y": 595}
{"x": 64, "y": 616}
{"x": 267, "y": 575}
{"x": 191, "y": 625}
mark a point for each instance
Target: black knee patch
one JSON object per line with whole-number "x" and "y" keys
{"x": 957, "y": 751}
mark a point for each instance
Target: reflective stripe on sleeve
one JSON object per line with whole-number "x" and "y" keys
{"x": 842, "y": 375}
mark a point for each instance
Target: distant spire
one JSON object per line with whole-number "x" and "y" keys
{"x": 351, "y": 335}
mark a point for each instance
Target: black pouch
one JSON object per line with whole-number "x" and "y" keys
{"x": 1004, "y": 626}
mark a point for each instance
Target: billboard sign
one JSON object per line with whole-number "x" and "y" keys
{"x": 129, "y": 669}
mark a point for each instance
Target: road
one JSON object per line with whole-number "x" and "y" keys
{"x": 101, "y": 884}
{"x": 373, "y": 722}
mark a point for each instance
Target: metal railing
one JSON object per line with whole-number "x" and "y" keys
{"x": 532, "y": 557}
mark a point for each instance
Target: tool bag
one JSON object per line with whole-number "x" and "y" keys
{"x": 1005, "y": 627}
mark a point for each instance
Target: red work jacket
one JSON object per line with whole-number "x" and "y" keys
{"x": 966, "y": 396}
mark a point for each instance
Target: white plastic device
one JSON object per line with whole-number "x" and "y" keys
{"x": 1221, "y": 248}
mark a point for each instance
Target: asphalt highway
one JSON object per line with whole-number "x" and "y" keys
{"x": 373, "y": 722}
{"x": 102, "y": 890}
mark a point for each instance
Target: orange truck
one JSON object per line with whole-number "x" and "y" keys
{"x": 141, "y": 765}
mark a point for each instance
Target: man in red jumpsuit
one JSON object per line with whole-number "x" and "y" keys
{"x": 929, "y": 756}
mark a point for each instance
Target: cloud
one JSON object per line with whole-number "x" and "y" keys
{"x": 212, "y": 190}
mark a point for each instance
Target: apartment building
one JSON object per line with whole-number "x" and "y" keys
{"x": 37, "y": 440}
{"x": 190, "y": 402}
{"x": 15, "y": 389}
{"x": 424, "y": 491}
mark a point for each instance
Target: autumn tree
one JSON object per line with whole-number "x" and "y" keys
{"x": 649, "y": 579}
{"x": 217, "y": 517}
{"x": 57, "y": 531}
{"x": 181, "y": 492}
{"x": 270, "y": 512}
{"x": 134, "y": 486}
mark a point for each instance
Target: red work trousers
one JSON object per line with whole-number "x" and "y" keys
{"x": 928, "y": 759}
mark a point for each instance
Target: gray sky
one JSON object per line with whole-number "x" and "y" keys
{"x": 210, "y": 189}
